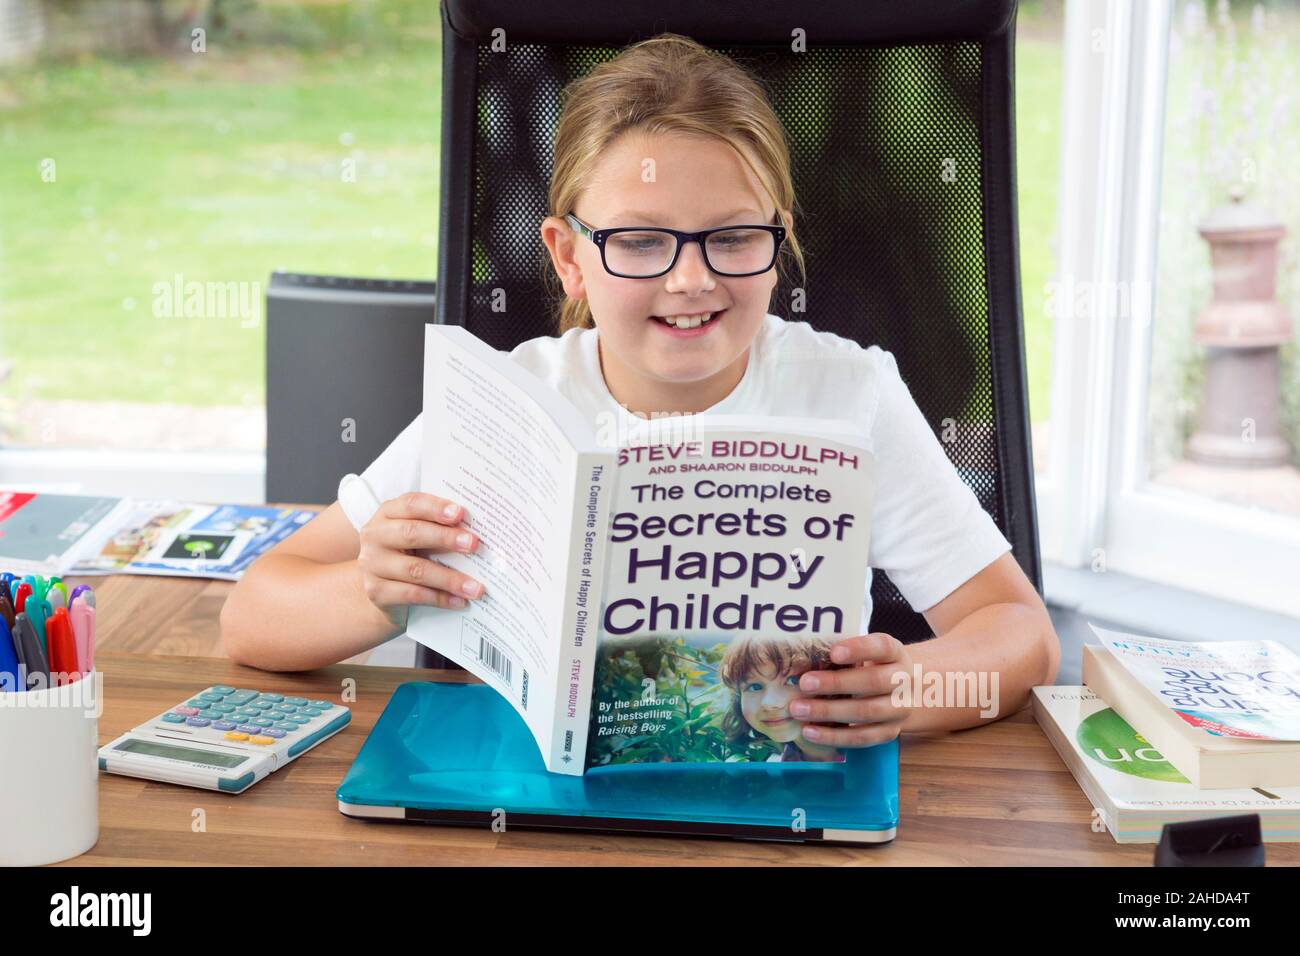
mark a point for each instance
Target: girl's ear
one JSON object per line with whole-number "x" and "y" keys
{"x": 561, "y": 243}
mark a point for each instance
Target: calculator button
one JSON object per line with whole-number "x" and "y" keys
{"x": 298, "y": 718}
{"x": 249, "y": 729}
{"x": 236, "y": 735}
{"x": 286, "y": 725}
{"x": 286, "y": 707}
{"x": 174, "y": 718}
{"x": 321, "y": 704}
{"x": 223, "y": 689}
{"x": 296, "y": 701}
{"x": 259, "y": 739}
{"x": 210, "y": 714}
{"x": 210, "y": 696}
{"x": 223, "y": 725}
{"x": 195, "y": 702}
{"x": 273, "y": 698}
{"x": 273, "y": 733}
{"x": 198, "y": 721}
{"x": 312, "y": 712}
{"x": 223, "y": 708}
{"x": 241, "y": 697}
{"x": 187, "y": 711}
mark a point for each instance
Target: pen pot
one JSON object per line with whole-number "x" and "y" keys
{"x": 49, "y": 773}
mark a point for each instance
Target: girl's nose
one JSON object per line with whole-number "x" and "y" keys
{"x": 690, "y": 274}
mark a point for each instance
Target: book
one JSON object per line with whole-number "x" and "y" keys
{"x": 1134, "y": 789}
{"x": 652, "y": 586}
{"x": 184, "y": 539}
{"x": 1224, "y": 713}
{"x": 86, "y": 536}
{"x": 42, "y": 533}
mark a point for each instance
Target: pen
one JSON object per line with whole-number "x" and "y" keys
{"x": 30, "y": 650}
{"x": 82, "y": 616}
{"x": 38, "y": 611}
{"x": 7, "y": 579}
{"x": 79, "y": 590}
{"x": 10, "y": 671}
{"x": 6, "y": 608}
{"x": 63, "y": 648}
{"x": 57, "y": 583}
{"x": 55, "y": 597}
{"x": 38, "y": 584}
{"x": 22, "y": 591}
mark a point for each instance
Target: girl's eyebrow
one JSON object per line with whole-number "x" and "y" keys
{"x": 635, "y": 216}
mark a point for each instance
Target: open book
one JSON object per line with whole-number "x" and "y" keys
{"x": 653, "y": 590}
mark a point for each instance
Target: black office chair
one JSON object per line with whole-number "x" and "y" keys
{"x": 899, "y": 119}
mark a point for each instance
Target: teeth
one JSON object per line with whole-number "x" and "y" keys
{"x": 687, "y": 321}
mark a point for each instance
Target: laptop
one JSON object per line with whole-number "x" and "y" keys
{"x": 459, "y": 755}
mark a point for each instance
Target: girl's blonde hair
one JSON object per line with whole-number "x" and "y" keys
{"x": 667, "y": 84}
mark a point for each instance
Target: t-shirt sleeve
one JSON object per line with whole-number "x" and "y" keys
{"x": 395, "y": 472}
{"x": 928, "y": 533}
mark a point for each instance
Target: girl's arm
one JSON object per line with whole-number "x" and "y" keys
{"x": 301, "y": 605}
{"x": 995, "y": 623}
{"x": 326, "y": 592}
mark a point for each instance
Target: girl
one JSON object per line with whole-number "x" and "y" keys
{"x": 670, "y": 135}
{"x": 763, "y": 675}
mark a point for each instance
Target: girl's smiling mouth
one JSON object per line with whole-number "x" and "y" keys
{"x": 688, "y": 325}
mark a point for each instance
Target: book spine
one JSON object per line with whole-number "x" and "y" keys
{"x": 584, "y": 582}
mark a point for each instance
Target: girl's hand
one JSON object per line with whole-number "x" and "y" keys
{"x": 872, "y": 661}
{"x": 394, "y": 577}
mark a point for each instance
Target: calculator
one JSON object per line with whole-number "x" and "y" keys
{"x": 223, "y": 738}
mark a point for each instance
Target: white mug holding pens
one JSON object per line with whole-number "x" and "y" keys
{"x": 50, "y": 702}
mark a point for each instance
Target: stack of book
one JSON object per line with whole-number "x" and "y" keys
{"x": 1167, "y": 731}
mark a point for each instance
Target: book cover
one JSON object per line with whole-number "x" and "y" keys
{"x": 650, "y": 599}
{"x": 1134, "y": 789}
{"x": 1239, "y": 689}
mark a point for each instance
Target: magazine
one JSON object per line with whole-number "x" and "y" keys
{"x": 651, "y": 595}
{"x": 42, "y": 533}
{"x": 182, "y": 539}
{"x": 1238, "y": 689}
{"x": 78, "y": 535}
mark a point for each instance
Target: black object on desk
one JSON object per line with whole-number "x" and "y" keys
{"x": 1222, "y": 841}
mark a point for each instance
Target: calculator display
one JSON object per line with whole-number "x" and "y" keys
{"x": 151, "y": 749}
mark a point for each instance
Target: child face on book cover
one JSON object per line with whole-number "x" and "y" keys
{"x": 683, "y": 182}
{"x": 765, "y": 698}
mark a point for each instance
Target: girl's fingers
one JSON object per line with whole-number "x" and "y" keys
{"x": 867, "y": 679}
{"x": 411, "y": 569}
{"x": 418, "y": 534}
{"x": 424, "y": 507}
{"x": 854, "y": 710}
{"x": 385, "y": 593}
{"x": 862, "y": 735}
{"x": 876, "y": 647}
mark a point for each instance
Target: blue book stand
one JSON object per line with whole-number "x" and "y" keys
{"x": 458, "y": 754}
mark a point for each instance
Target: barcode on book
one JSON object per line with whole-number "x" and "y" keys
{"x": 495, "y": 659}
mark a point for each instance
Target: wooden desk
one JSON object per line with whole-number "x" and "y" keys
{"x": 996, "y": 795}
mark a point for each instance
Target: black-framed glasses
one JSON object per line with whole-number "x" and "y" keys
{"x": 636, "y": 252}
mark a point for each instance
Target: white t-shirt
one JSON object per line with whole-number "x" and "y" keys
{"x": 928, "y": 531}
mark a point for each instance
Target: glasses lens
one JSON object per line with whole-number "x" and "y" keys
{"x": 741, "y": 251}
{"x": 639, "y": 253}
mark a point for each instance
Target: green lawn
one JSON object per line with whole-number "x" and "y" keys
{"x": 223, "y": 166}
{"x": 219, "y": 167}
